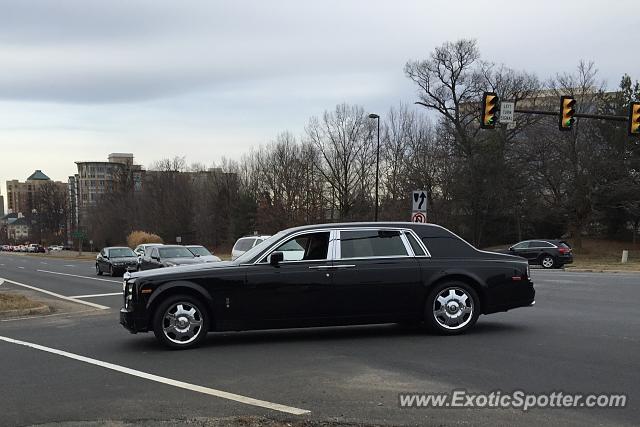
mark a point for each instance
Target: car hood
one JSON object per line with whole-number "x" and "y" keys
{"x": 209, "y": 258}
{"x": 182, "y": 261}
{"x": 130, "y": 259}
{"x": 201, "y": 266}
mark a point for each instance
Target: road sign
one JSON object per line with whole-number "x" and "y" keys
{"x": 506, "y": 111}
{"x": 419, "y": 201}
{"x": 178, "y": 239}
{"x": 418, "y": 217}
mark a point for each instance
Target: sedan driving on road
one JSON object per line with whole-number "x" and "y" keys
{"x": 116, "y": 260}
{"x": 168, "y": 256}
{"x": 340, "y": 274}
{"x": 547, "y": 253}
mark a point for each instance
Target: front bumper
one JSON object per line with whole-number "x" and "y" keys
{"x": 133, "y": 323}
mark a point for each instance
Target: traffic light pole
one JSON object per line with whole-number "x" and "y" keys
{"x": 585, "y": 116}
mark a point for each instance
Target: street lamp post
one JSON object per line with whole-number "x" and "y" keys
{"x": 377, "y": 117}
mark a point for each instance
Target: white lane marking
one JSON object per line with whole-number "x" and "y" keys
{"x": 42, "y": 262}
{"x": 22, "y": 268}
{"x": 168, "y": 381}
{"x": 82, "y": 277}
{"x": 96, "y": 295}
{"x": 68, "y": 265}
{"x": 44, "y": 291}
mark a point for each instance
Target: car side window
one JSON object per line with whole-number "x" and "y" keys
{"x": 154, "y": 253}
{"x": 371, "y": 243}
{"x": 521, "y": 245}
{"x": 306, "y": 247}
{"x": 540, "y": 244}
{"x": 417, "y": 249}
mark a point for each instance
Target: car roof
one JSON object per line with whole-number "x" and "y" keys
{"x": 117, "y": 247}
{"x": 421, "y": 228}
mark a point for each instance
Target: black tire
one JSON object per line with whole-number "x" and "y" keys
{"x": 171, "y": 336}
{"x": 466, "y": 315}
{"x": 98, "y": 271}
{"x": 111, "y": 271}
{"x": 547, "y": 261}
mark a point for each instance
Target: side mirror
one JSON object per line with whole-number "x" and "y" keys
{"x": 276, "y": 258}
{"x": 157, "y": 258}
{"x": 511, "y": 249}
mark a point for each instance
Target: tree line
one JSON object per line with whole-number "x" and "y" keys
{"x": 489, "y": 186}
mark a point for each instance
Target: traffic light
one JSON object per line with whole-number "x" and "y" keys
{"x": 566, "y": 112}
{"x": 489, "y": 110}
{"x": 634, "y": 119}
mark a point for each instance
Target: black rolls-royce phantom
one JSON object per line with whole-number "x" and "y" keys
{"x": 330, "y": 274}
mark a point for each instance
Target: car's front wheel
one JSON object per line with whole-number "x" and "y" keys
{"x": 547, "y": 261}
{"x": 98, "y": 271}
{"x": 452, "y": 308}
{"x": 181, "y": 322}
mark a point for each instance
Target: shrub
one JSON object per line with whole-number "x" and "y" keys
{"x": 137, "y": 237}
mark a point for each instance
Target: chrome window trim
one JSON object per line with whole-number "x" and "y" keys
{"x": 271, "y": 248}
{"x": 543, "y": 247}
{"x": 420, "y": 243}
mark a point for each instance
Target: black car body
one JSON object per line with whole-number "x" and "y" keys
{"x": 332, "y": 274}
{"x": 115, "y": 260}
{"x": 547, "y": 253}
{"x": 167, "y": 256}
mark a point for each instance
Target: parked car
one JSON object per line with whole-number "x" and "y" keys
{"x": 356, "y": 273}
{"x": 547, "y": 253}
{"x": 116, "y": 260}
{"x": 202, "y": 253}
{"x": 168, "y": 256}
{"x": 145, "y": 250}
{"x": 243, "y": 244}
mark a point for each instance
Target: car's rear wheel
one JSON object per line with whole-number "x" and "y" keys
{"x": 98, "y": 271}
{"x": 547, "y": 261}
{"x": 181, "y": 322}
{"x": 452, "y": 308}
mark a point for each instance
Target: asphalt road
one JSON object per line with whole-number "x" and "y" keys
{"x": 581, "y": 337}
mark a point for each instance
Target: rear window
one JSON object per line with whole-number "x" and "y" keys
{"x": 243, "y": 244}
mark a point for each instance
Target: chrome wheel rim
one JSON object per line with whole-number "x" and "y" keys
{"x": 547, "y": 262}
{"x": 182, "y": 323}
{"x": 453, "y": 308}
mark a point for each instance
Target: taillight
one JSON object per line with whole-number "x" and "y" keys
{"x": 564, "y": 250}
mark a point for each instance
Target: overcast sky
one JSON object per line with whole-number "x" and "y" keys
{"x": 81, "y": 79}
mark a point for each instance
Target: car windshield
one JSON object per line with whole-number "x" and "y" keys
{"x": 176, "y": 252}
{"x": 199, "y": 250}
{"x": 257, "y": 249}
{"x": 121, "y": 253}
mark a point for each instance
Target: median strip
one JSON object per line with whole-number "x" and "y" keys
{"x": 44, "y": 291}
{"x": 168, "y": 381}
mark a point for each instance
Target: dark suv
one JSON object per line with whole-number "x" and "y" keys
{"x": 547, "y": 253}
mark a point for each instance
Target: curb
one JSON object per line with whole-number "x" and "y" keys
{"x": 43, "y": 309}
{"x": 597, "y": 270}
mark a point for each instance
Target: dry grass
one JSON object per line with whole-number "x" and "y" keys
{"x": 16, "y": 302}
{"x": 136, "y": 238}
{"x": 605, "y": 255}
